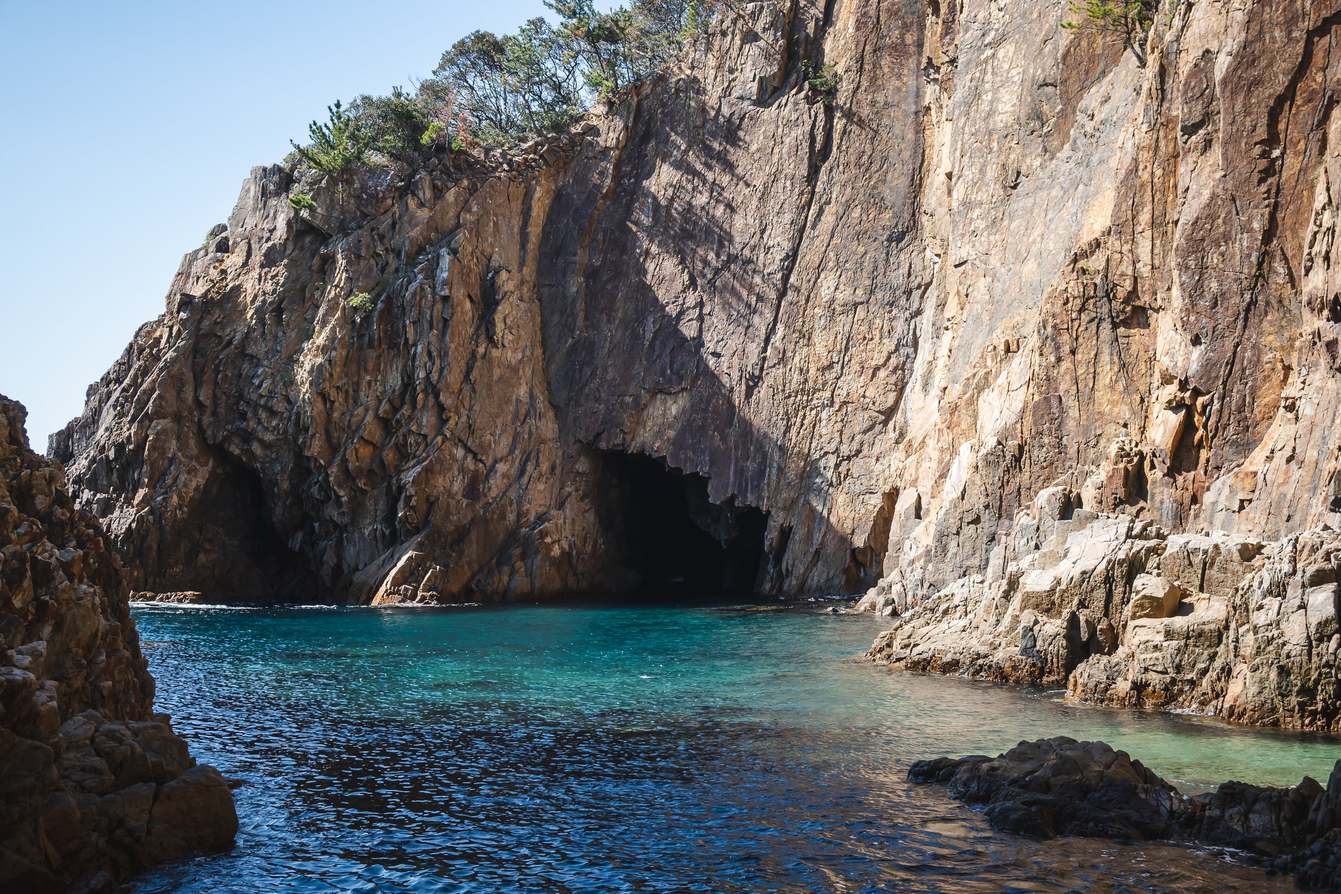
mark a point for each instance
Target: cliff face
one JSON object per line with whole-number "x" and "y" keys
{"x": 1006, "y": 259}
{"x": 92, "y": 785}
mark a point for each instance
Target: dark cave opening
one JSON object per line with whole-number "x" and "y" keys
{"x": 234, "y": 553}
{"x": 670, "y": 540}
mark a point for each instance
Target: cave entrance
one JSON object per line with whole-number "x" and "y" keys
{"x": 671, "y": 540}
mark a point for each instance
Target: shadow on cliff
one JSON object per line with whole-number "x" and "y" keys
{"x": 632, "y": 347}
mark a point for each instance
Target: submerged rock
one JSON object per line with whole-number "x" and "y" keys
{"x": 93, "y": 785}
{"x": 1053, "y": 787}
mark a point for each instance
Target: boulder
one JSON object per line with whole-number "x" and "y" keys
{"x": 1057, "y": 787}
{"x": 1153, "y": 597}
{"x": 1053, "y": 787}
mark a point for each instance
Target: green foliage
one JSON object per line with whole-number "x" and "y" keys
{"x": 544, "y": 76}
{"x": 361, "y": 302}
{"x": 302, "y": 201}
{"x": 822, "y": 80}
{"x": 510, "y": 87}
{"x": 504, "y": 90}
{"x": 1132, "y": 19}
{"x": 432, "y": 134}
{"x": 337, "y": 144}
{"x": 392, "y": 126}
{"x": 695, "y": 20}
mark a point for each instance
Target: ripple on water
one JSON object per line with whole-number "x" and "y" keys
{"x": 632, "y": 749}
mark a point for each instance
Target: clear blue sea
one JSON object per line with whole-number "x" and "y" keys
{"x": 634, "y": 749}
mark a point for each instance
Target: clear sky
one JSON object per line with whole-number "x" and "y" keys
{"x": 128, "y": 129}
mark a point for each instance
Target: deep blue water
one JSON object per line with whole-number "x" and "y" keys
{"x": 638, "y": 749}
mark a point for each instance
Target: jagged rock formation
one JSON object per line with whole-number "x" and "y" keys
{"x": 1005, "y": 259}
{"x": 92, "y": 785}
{"x": 1124, "y": 614}
{"x": 1059, "y": 786}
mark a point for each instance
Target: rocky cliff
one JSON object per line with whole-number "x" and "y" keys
{"x": 801, "y": 345}
{"x": 92, "y": 784}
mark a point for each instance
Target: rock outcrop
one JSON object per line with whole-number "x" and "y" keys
{"x": 1005, "y": 261}
{"x": 93, "y": 786}
{"x": 1122, "y": 613}
{"x": 1059, "y": 786}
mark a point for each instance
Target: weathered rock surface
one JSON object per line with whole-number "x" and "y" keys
{"x": 180, "y": 597}
{"x": 93, "y": 786}
{"x": 1006, "y": 262}
{"x": 1123, "y": 614}
{"x": 1059, "y": 786}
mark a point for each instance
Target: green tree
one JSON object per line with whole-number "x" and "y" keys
{"x": 1129, "y": 18}
{"x": 544, "y": 77}
{"x": 337, "y": 144}
{"x": 619, "y": 48}
{"x": 510, "y": 87}
{"x": 392, "y": 125}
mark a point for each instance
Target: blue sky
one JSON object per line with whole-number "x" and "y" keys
{"x": 129, "y": 128}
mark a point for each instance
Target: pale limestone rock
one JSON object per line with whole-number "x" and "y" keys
{"x": 1153, "y": 597}
{"x": 1209, "y": 624}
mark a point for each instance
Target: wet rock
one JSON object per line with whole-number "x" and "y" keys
{"x": 85, "y": 767}
{"x": 178, "y": 597}
{"x": 1058, "y": 786}
{"x": 1257, "y": 818}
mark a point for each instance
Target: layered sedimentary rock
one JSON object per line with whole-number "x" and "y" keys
{"x": 93, "y": 785}
{"x": 1060, "y": 786}
{"x": 1006, "y": 258}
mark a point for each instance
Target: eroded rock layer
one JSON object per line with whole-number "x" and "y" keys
{"x": 93, "y": 785}
{"x": 1006, "y": 259}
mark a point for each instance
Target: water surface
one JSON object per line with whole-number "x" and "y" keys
{"x": 634, "y": 749}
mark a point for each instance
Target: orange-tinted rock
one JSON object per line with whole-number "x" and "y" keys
{"x": 84, "y": 765}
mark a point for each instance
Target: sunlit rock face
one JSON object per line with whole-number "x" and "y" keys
{"x": 1007, "y": 261}
{"x": 93, "y": 786}
{"x": 1123, "y": 613}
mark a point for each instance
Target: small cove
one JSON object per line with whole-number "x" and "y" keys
{"x": 635, "y": 748}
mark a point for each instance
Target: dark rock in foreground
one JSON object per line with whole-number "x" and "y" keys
{"x": 93, "y": 786}
{"x": 1059, "y": 786}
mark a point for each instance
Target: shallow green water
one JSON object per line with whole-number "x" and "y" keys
{"x": 634, "y": 749}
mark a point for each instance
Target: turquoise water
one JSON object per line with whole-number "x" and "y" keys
{"x": 631, "y": 749}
